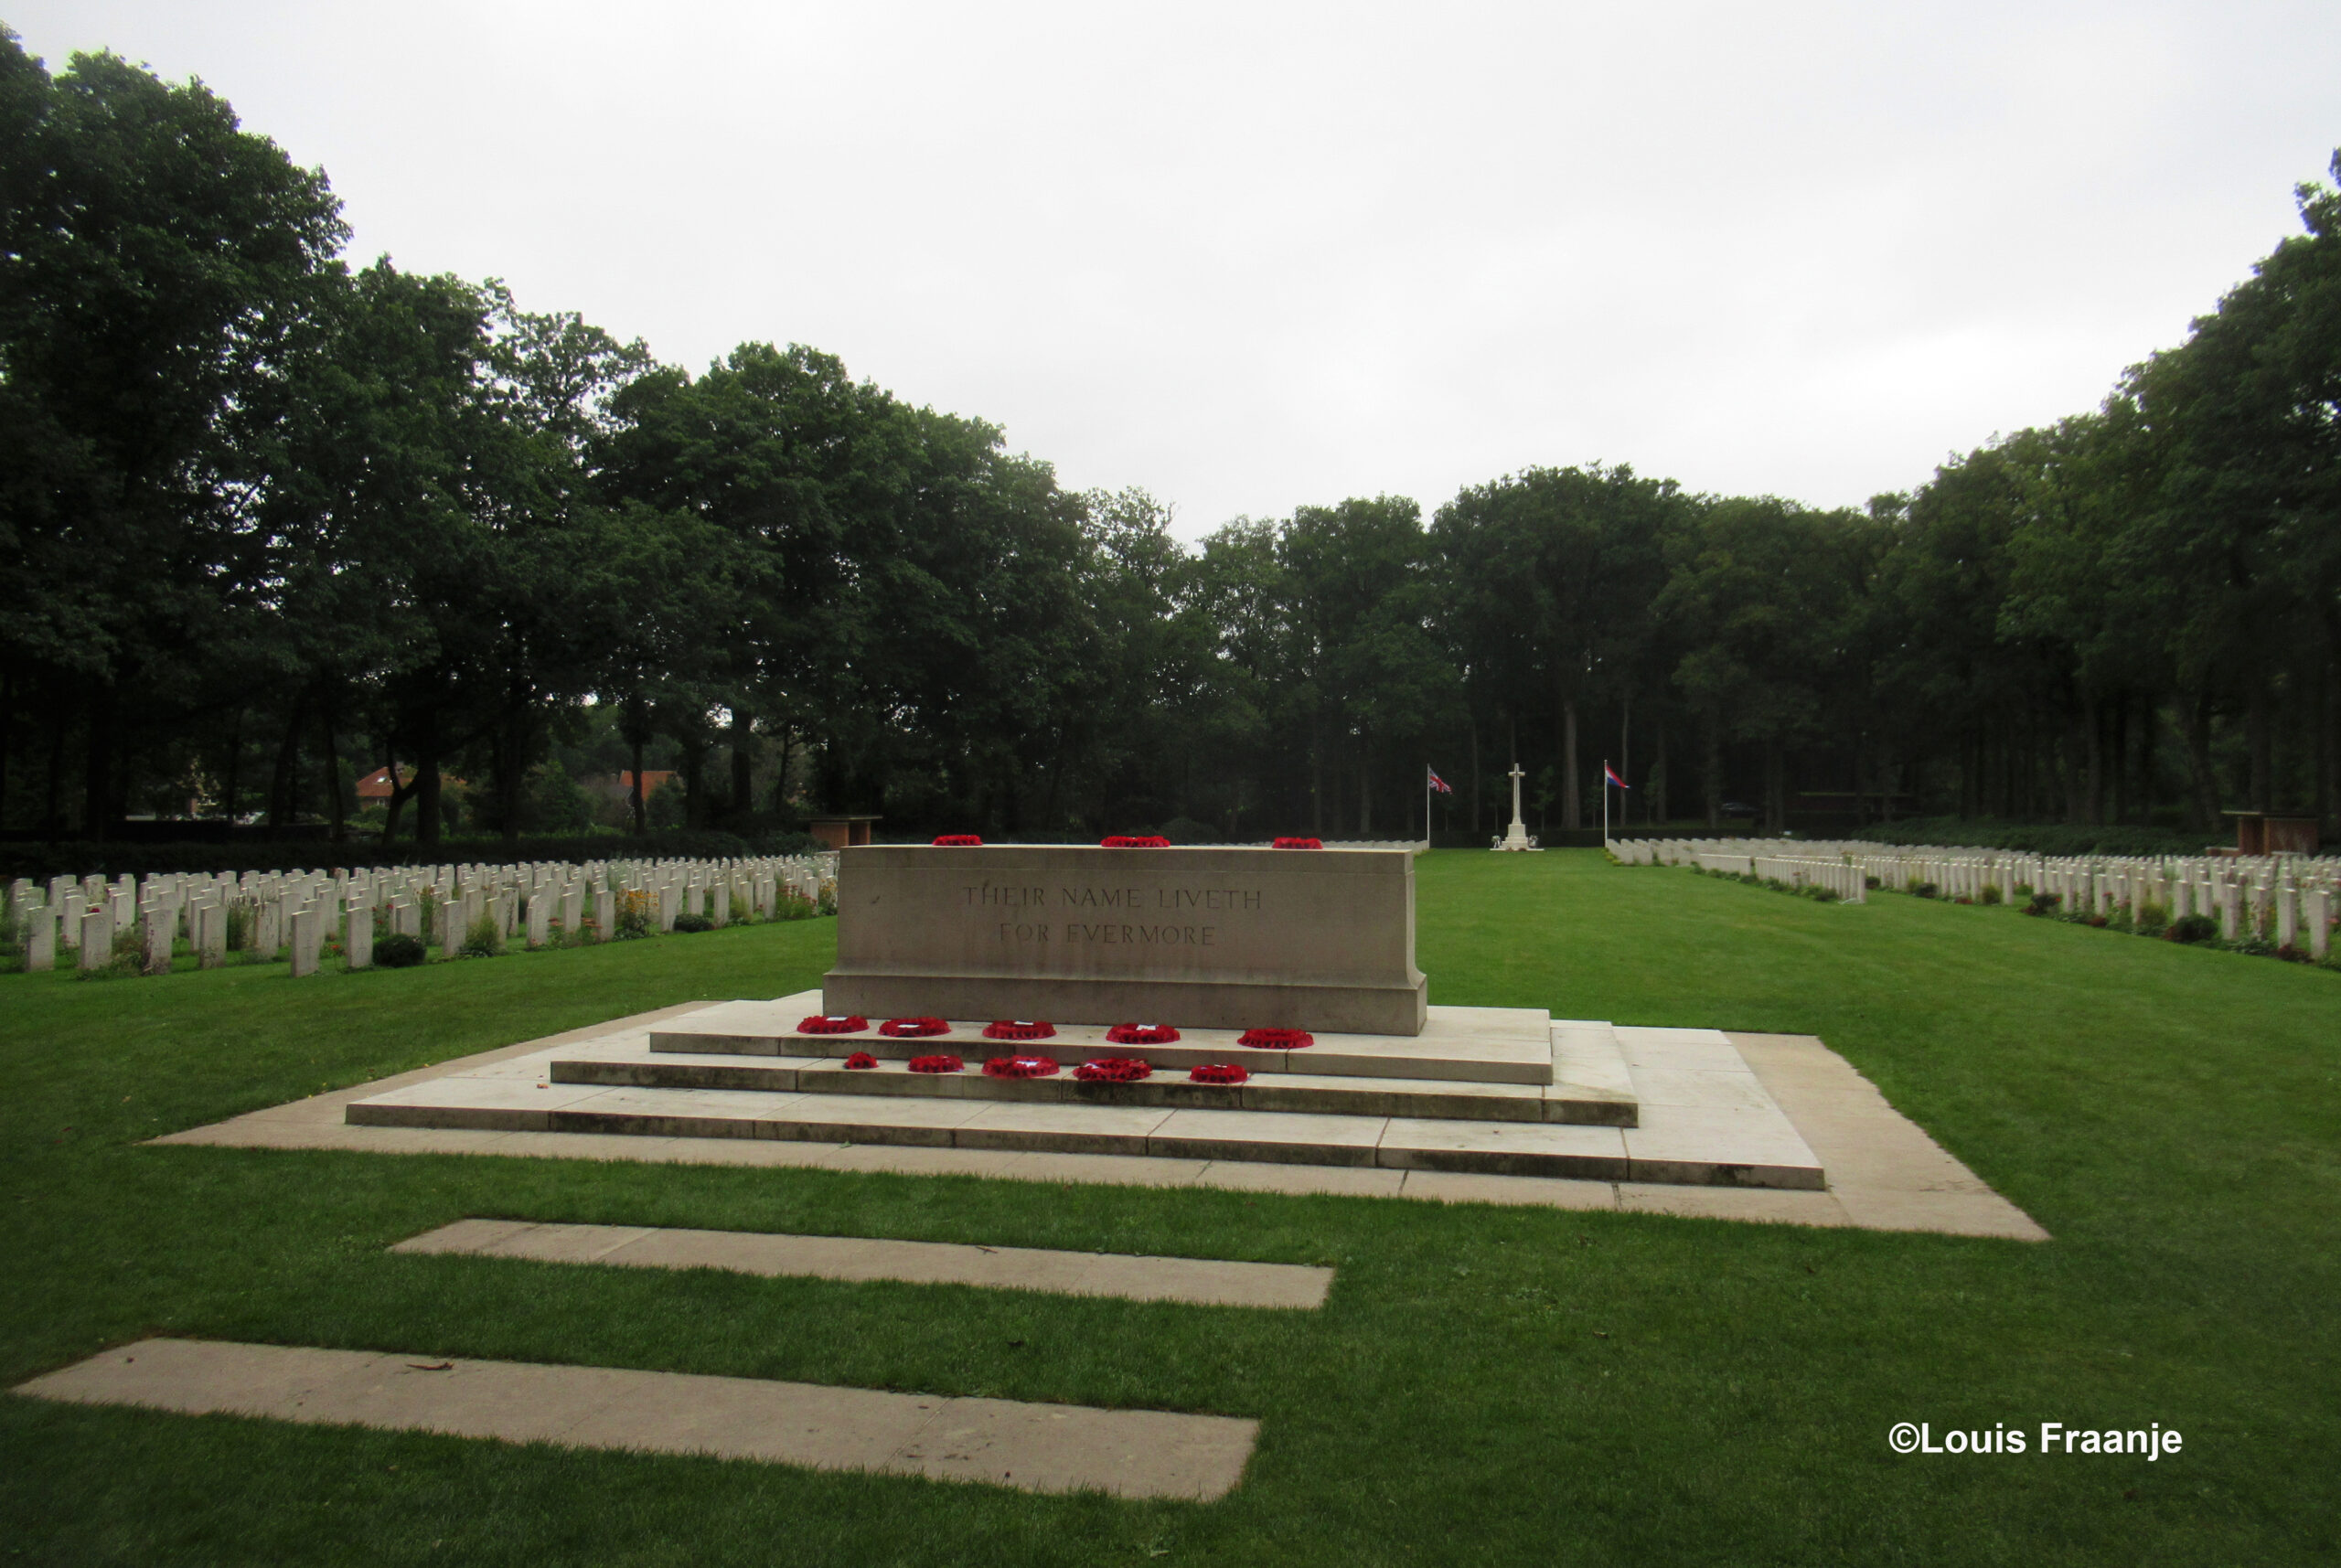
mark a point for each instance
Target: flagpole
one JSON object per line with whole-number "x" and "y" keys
{"x": 1605, "y": 803}
{"x": 1425, "y": 805}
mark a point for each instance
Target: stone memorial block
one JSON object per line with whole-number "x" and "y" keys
{"x": 38, "y": 925}
{"x": 539, "y": 918}
{"x": 357, "y": 942}
{"x": 97, "y": 936}
{"x": 304, "y": 939}
{"x": 572, "y": 910}
{"x": 1209, "y": 938}
{"x": 158, "y": 925}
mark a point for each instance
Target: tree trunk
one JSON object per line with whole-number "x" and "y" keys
{"x": 1477, "y": 800}
{"x": 429, "y": 806}
{"x": 1776, "y": 804}
{"x": 53, "y": 808}
{"x": 1316, "y": 782}
{"x": 1657, "y": 808}
{"x": 1625, "y": 753}
{"x": 1712, "y": 781}
{"x": 402, "y": 791}
{"x": 2258, "y": 733}
{"x": 1572, "y": 804}
{"x": 743, "y": 761}
{"x": 1364, "y": 789}
{"x": 2204, "y": 801}
{"x": 97, "y": 764}
{"x": 283, "y": 784}
{"x": 2093, "y": 752}
{"x": 694, "y": 760}
{"x": 340, "y": 815}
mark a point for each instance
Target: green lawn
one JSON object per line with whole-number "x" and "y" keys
{"x": 1486, "y": 1384}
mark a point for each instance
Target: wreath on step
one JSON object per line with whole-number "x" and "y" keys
{"x": 1019, "y": 1028}
{"x": 957, "y": 841}
{"x": 1298, "y": 844}
{"x": 833, "y": 1023}
{"x": 861, "y": 1062}
{"x": 936, "y": 1064}
{"x": 1141, "y": 1034}
{"x": 1134, "y": 841}
{"x": 1114, "y": 1070}
{"x": 1020, "y": 1067}
{"x": 1218, "y": 1072}
{"x": 1278, "y": 1038}
{"x": 912, "y": 1029}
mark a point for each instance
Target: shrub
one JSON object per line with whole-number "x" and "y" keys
{"x": 1924, "y": 890}
{"x": 693, "y": 922}
{"x": 634, "y": 913}
{"x": 2152, "y": 918}
{"x": 400, "y": 951}
{"x": 828, "y": 903}
{"x": 1990, "y": 892}
{"x": 794, "y": 906}
{"x": 2042, "y": 903}
{"x": 1872, "y": 883}
{"x": 2193, "y": 929}
{"x": 483, "y": 939}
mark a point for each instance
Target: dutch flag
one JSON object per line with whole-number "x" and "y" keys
{"x": 1612, "y": 774}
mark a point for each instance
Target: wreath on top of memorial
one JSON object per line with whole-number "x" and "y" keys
{"x": 1021, "y": 1066}
{"x": 1114, "y": 1070}
{"x": 1133, "y": 841}
{"x": 1297, "y": 844}
{"x": 1141, "y": 1034}
{"x": 861, "y": 1062}
{"x": 1218, "y": 1072}
{"x": 833, "y": 1023}
{"x": 912, "y": 1029}
{"x": 1278, "y": 1038}
{"x": 957, "y": 841}
{"x": 936, "y": 1064}
{"x": 1019, "y": 1028}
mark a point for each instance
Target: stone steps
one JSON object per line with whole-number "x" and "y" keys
{"x": 1673, "y": 1106}
{"x": 1484, "y": 1045}
{"x": 1303, "y": 1093}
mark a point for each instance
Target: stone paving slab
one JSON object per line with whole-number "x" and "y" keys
{"x": 1201, "y": 1281}
{"x": 1006, "y": 1443}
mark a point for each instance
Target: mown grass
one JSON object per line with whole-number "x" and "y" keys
{"x": 1485, "y": 1385}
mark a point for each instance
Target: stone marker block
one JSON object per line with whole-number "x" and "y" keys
{"x": 40, "y": 926}
{"x": 305, "y": 940}
{"x": 158, "y": 925}
{"x": 358, "y": 944}
{"x": 1216, "y": 938}
{"x": 96, "y": 936}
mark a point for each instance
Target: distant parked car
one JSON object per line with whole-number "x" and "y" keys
{"x": 1739, "y": 808}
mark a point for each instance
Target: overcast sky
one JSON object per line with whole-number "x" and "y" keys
{"x": 1252, "y": 257}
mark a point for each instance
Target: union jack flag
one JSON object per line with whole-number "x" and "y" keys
{"x": 1437, "y": 783}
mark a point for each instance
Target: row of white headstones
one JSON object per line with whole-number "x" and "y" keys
{"x": 2289, "y": 899}
{"x": 294, "y": 913}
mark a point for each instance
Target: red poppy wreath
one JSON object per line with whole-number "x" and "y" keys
{"x": 861, "y": 1062}
{"x": 1020, "y": 1067}
{"x": 1018, "y": 1028}
{"x": 1141, "y": 1034}
{"x": 1114, "y": 1070}
{"x": 1218, "y": 1072}
{"x": 936, "y": 1064}
{"x": 912, "y": 1029}
{"x": 1278, "y": 1038}
{"x": 833, "y": 1023}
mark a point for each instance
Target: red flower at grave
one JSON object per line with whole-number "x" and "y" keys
{"x": 1298, "y": 844}
{"x": 861, "y": 1062}
{"x": 1278, "y": 1038}
{"x": 1141, "y": 1034}
{"x": 1134, "y": 841}
{"x": 1018, "y": 1028}
{"x": 912, "y": 1029}
{"x": 957, "y": 841}
{"x": 1020, "y": 1067}
{"x": 1218, "y": 1072}
{"x": 833, "y": 1023}
{"x": 936, "y": 1064}
{"x": 1114, "y": 1070}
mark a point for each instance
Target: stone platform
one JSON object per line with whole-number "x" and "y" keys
{"x": 1491, "y": 1090}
